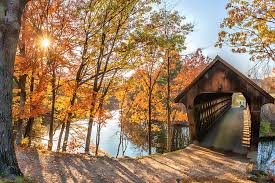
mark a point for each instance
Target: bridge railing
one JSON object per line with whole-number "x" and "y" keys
{"x": 246, "y": 135}
{"x": 208, "y": 111}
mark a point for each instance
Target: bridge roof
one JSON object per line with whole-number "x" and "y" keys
{"x": 230, "y": 67}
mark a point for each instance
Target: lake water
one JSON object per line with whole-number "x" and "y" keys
{"x": 136, "y": 141}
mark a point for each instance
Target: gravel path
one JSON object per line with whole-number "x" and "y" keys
{"x": 193, "y": 164}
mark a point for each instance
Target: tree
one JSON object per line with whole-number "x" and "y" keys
{"x": 10, "y": 22}
{"x": 249, "y": 28}
{"x": 151, "y": 66}
{"x": 21, "y": 74}
{"x": 92, "y": 27}
{"x": 123, "y": 93}
{"x": 192, "y": 64}
{"x": 113, "y": 46}
{"x": 58, "y": 30}
{"x": 132, "y": 95}
{"x": 154, "y": 41}
{"x": 173, "y": 29}
{"x": 91, "y": 46}
{"x": 38, "y": 67}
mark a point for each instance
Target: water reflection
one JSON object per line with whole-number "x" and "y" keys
{"x": 266, "y": 156}
{"x": 181, "y": 136}
{"x": 131, "y": 140}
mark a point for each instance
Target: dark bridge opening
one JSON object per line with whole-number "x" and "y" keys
{"x": 209, "y": 108}
{"x": 223, "y": 121}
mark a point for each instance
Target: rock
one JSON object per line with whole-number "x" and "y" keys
{"x": 268, "y": 112}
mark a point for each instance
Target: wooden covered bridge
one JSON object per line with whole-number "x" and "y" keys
{"x": 209, "y": 96}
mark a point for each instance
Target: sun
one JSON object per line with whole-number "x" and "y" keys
{"x": 45, "y": 43}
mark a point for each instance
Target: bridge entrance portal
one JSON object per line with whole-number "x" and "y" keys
{"x": 209, "y": 97}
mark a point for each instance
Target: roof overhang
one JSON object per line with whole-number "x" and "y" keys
{"x": 230, "y": 67}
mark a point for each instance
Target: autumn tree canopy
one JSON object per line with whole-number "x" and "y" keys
{"x": 73, "y": 62}
{"x": 249, "y": 28}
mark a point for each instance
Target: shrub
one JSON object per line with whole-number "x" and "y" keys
{"x": 265, "y": 128}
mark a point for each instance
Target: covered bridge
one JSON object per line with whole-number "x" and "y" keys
{"x": 209, "y": 96}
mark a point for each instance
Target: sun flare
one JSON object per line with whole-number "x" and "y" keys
{"x": 45, "y": 43}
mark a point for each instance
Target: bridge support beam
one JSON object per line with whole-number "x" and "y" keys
{"x": 255, "y": 112}
{"x": 192, "y": 124}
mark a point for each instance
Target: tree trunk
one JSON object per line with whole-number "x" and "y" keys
{"x": 50, "y": 142}
{"x": 169, "y": 135}
{"x": 67, "y": 132}
{"x": 124, "y": 145}
{"x": 10, "y": 19}
{"x": 150, "y": 120}
{"x": 19, "y": 124}
{"x": 18, "y": 134}
{"x": 91, "y": 121}
{"x": 18, "y": 131}
{"x": 60, "y": 137}
{"x": 119, "y": 144}
{"x": 28, "y": 130}
{"x": 68, "y": 123}
{"x": 121, "y": 126}
{"x": 97, "y": 139}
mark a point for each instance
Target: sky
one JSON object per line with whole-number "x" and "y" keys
{"x": 207, "y": 15}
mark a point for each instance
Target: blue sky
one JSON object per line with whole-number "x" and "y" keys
{"x": 207, "y": 16}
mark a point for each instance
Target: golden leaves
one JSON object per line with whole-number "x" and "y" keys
{"x": 249, "y": 28}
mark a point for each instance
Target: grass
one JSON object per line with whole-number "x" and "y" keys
{"x": 265, "y": 129}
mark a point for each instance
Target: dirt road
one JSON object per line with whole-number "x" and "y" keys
{"x": 194, "y": 164}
